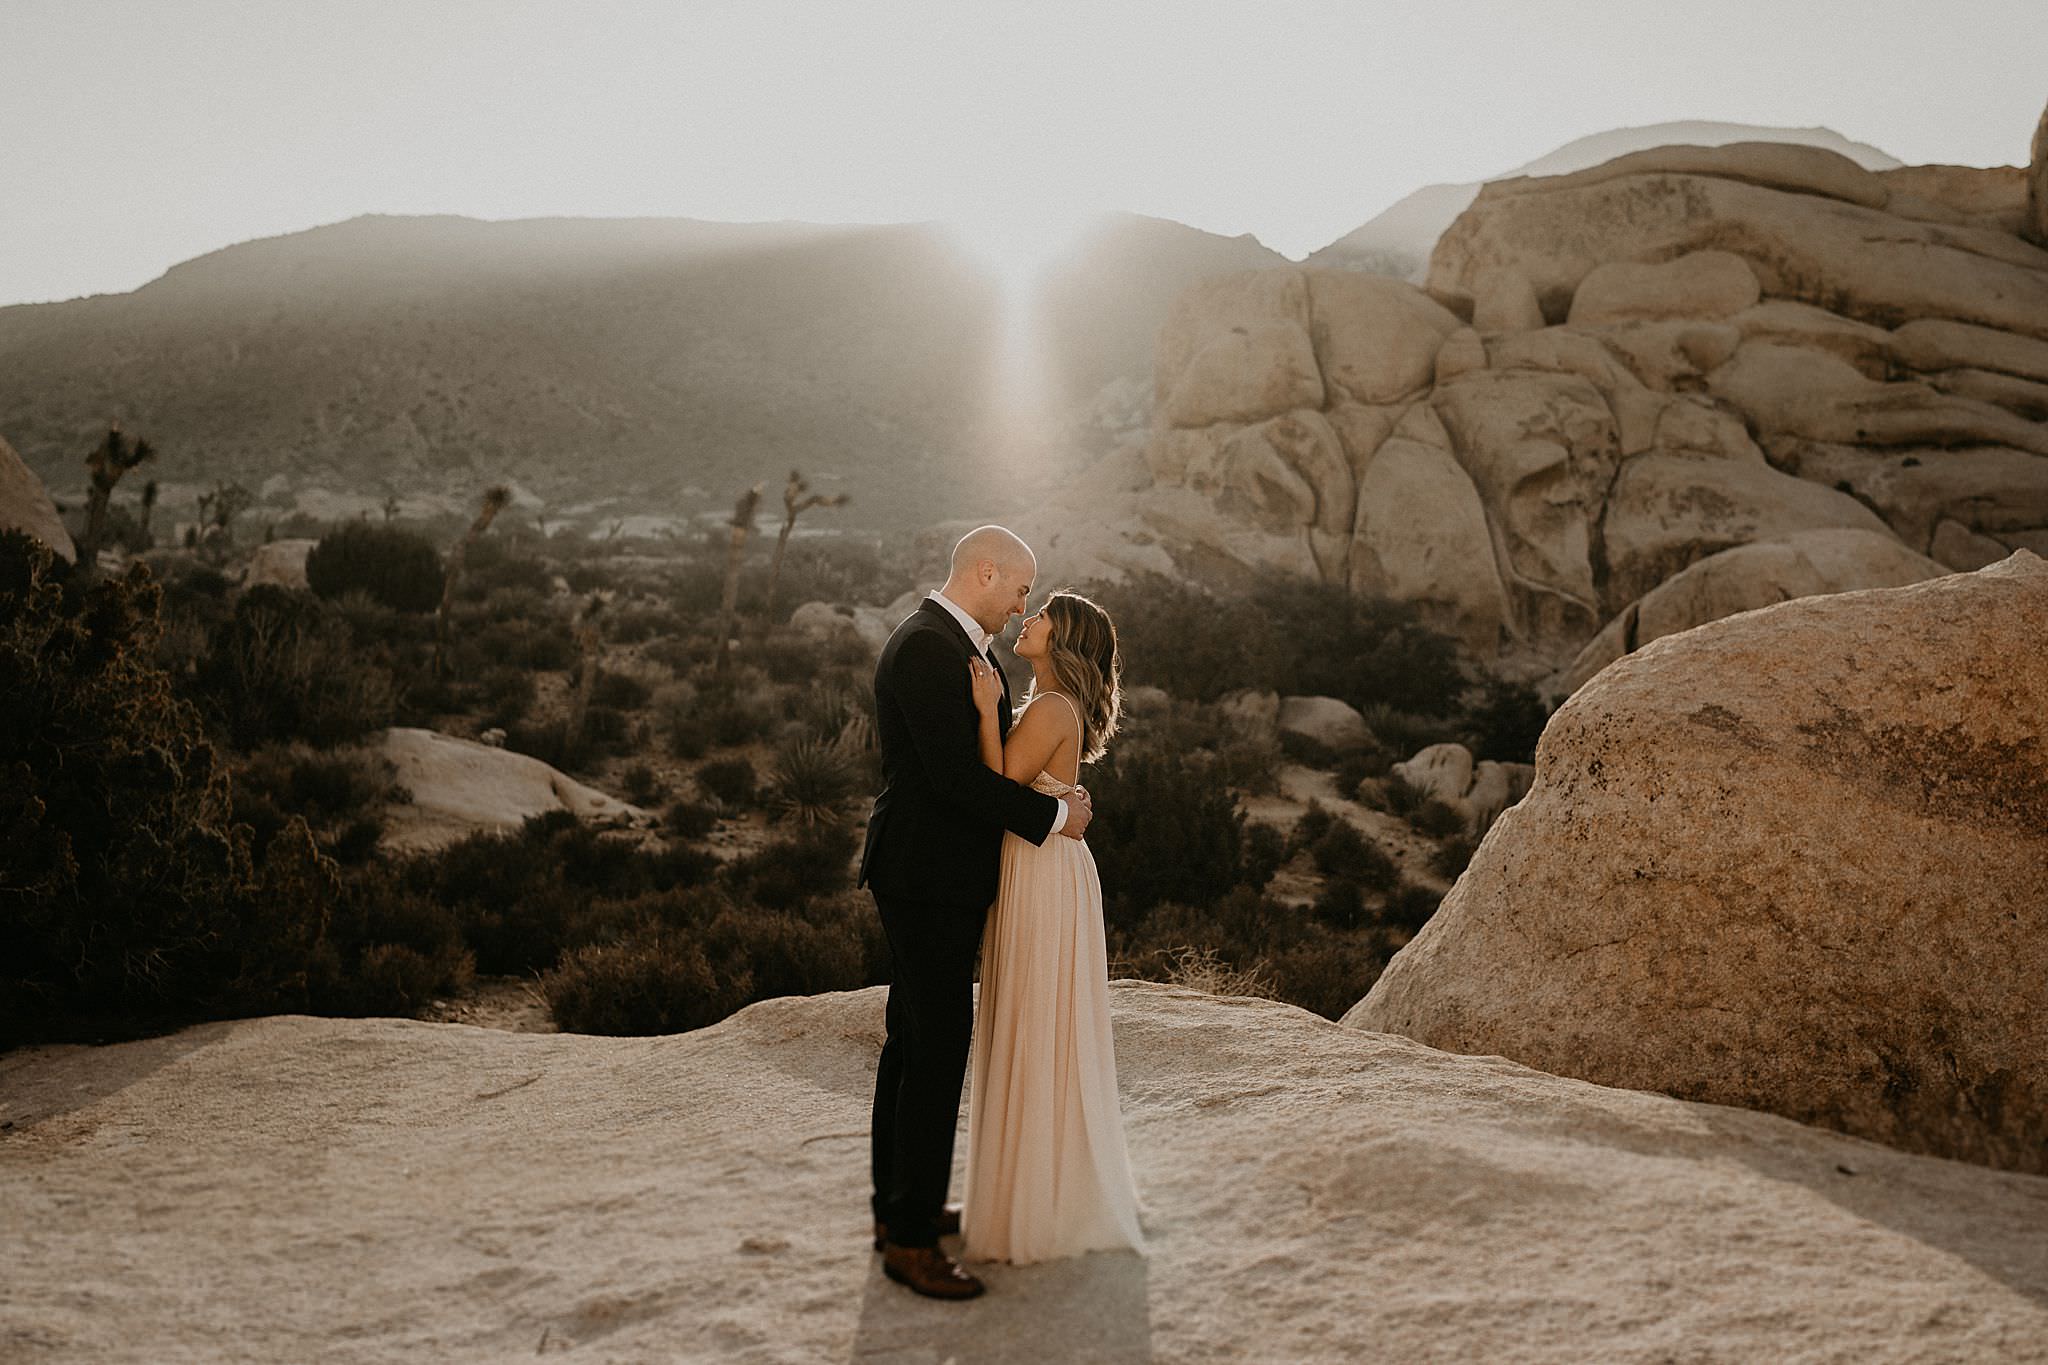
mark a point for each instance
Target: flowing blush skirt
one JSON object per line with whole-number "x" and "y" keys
{"x": 1048, "y": 1174}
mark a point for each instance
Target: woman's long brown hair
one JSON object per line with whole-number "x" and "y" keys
{"x": 1082, "y": 646}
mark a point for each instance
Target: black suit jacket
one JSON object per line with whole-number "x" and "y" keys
{"x": 936, "y": 832}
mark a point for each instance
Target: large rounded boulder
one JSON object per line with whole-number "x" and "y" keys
{"x": 1795, "y": 860}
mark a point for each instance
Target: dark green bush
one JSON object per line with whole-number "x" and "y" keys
{"x": 1162, "y": 831}
{"x": 397, "y": 567}
{"x": 129, "y": 900}
{"x": 1437, "y": 820}
{"x": 812, "y": 862}
{"x": 729, "y": 781}
{"x": 1343, "y": 850}
{"x": 284, "y": 666}
{"x": 657, "y": 981}
{"x": 643, "y": 787}
{"x": 1453, "y": 856}
{"x": 1409, "y": 908}
{"x": 689, "y": 819}
{"x": 1507, "y": 723}
{"x": 622, "y": 691}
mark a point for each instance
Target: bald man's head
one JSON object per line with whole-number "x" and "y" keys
{"x": 991, "y": 575}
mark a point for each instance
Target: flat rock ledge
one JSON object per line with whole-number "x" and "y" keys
{"x": 292, "y": 1188}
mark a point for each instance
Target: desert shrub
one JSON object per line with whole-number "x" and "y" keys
{"x": 505, "y": 695}
{"x": 1404, "y": 734}
{"x": 689, "y": 819}
{"x": 621, "y": 691}
{"x": 811, "y": 862}
{"x": 1343, "y": 850}
{"x": 1341, "y": 905}
{"x": 389, "y": 950}
{"x": 1437, "y": 819}
{"x": 529, "y": 643}
{"x": 811, "y": 782}
{"x": 1201, "y": 969}
{"x": 1163, "y": 831}
{"x": 1453, "y": 856}
{"x": 656, "y": 981}
{"x": 1409, "y": 907}
{"x": 643, "y": 787}
{"x": 729, "y": 781}
{"x": 504, "y": 604}
{"x": 1314, "y": 823}
{"x": 1265, "y": 849}
{"x": 1326, "y": 972}
{"x": 495, "y": 562}
{"x": 1307, "y": 750}
{"x": 1287, "y": 633}
{"x": 630, "y": 625}
{"x": 132, "y": 900}
{"x": 284, "y": 666}
{"x": 1400, "y": 796}
{"x": 1507, "y": 723}
{"x": 397, "y": 567}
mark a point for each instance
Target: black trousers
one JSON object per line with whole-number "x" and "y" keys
{"x": 924, "y": 1060}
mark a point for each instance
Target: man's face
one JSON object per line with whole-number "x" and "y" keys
{"x": 1007, "y": 592}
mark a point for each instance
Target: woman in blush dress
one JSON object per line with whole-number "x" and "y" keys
{"x": 1048, "y": 1174}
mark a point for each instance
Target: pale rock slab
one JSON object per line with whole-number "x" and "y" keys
{"x": 1668, "y": 511}
{"x": 1377, "y": 338}
{"x": 1803, "y": 564}
{"x": 1698, "y": 285}
{"x": 1328, "y": 721}
{"x": 1504, "y": 301}
{"x": 1857, "y": 261}
{"x": 1440, "y": 771}
{"x": 25, "y": 505}
{"x": 1505, "y": 1215}
{"x": 1793, "y": 861}
{"x": 1987, "y": 488}
{"x": 1797, "y": 392}
{"x": 279, "y": 563}
{"x": 1246, "y": 374}
{"x": 1422, "y": 537}
{"x": 461, "y": 788}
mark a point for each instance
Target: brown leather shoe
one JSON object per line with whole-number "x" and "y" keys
{"x": 929, "y": 1271}
{"x": 948, "y": 1226}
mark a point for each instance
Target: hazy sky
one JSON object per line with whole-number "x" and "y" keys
{"x": 137, "y": 134}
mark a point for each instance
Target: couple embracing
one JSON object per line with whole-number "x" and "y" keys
{"x": 974, "y": 853}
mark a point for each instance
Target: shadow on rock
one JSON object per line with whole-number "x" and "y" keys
{"x": 1083, "y": 1308}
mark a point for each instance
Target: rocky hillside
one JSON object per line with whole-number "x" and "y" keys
{"x": 666, "y": 363}
{"x": 1398, "y": 240}
{"x": 1681, "y": 384}
{"x": 382, "y": 1190}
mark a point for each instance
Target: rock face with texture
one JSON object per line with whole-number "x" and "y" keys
{"x": 1745, "y": 344}
{"x": 356, "y": 1191}
{"x": 1794, "y": 860}
{"x": 280, "y": 563}
{"x": 460, "y": 788}
{"x": 25, "y": 505}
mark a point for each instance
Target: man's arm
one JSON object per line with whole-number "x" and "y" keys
{"x": 930, "y": 681}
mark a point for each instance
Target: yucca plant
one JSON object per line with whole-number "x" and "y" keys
{"x": 811, "y": 782}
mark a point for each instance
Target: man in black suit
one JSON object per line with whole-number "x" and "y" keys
{"x": 932, "y": 860}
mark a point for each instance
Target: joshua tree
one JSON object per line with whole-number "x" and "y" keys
{"x": 148, "y": 507}
{"x": 495, "y": 499}
{"x": 742, "y": 525}
{"x": 587, "y": 638}
{"x": 109, "y": 460}
{"x": 217, "y": 512}
{"x": 390, "y": 508}
{"x": 796, "y": 498}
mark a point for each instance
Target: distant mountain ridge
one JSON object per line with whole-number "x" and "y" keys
{"x": 1398, "y": 241}
{"x": 666, "y": 361}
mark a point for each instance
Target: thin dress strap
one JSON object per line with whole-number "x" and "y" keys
{"x": 1080, "y": 738}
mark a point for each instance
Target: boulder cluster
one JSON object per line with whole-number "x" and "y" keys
{"x": 1687, "y": 382}
{"x": 1793, "y": 861}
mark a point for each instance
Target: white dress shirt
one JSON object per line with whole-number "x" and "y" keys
{"x": 982, "y": 639}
